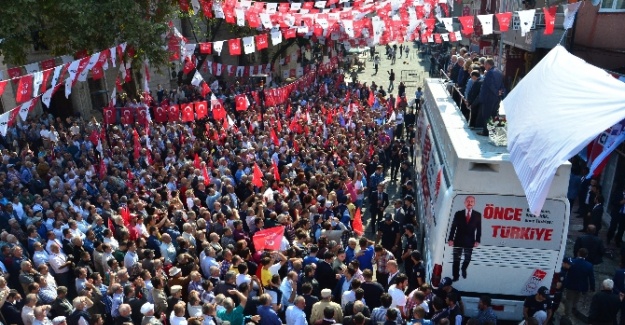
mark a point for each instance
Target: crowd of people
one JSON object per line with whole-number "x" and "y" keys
{"x": 96, "y": 230}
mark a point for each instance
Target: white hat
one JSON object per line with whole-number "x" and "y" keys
{"x": 146, "y": 308}
{"x": 58, "y": 320}
{"x": 174, "y": 270}
{"x": 326, "y": 293}
{"x": 175, "y": 289}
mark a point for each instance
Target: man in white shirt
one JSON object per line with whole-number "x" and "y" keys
{"x": 131, "y": 258}
{"x": 60, "y": 265}
{"x": 207, "y": 259}
{"x": 28, "y": 311}
{"x": 350, "y": 295}
{"x": 295, "y": 314}
{"x": 40, "y": 256}
{"x": 397, "y": 293}
{"x": 177, "y": 315}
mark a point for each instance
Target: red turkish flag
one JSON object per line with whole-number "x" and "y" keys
{"x": 47, "y": 64}
{"x": 261, "y": 41}
{"x": 219, "y": 113}
{"x": 24, "y": 88}
{"x": 201, "y": 109}
{"x": 234, "y": 46}
{"x": 242, "y": 103}
{"x": 108, "y": 115}
{"x": 253, "y": 20}
{"x": 173, "y": 113}
{"x": 127, "y": 116}
{"x": 504, "y": 20}
{"x": 196, "y": 161}
{"x": 206, "y": 48}
{"x": 270, "y": 239}
{"x": 188, "y": 65}
{"x": 276, "y": 172}
{"x": 257, "y": 177}
{"x": 207, "y": 179}
{"x": 274, "y": 138}
{"x": 205, "y": 89}
{"x": 550, "y": 19}
{"x": 160, "y": 115}
{"x": 207, "y": 8}
{"x": 142, "y": 117}
{"x": 187, "y": 112}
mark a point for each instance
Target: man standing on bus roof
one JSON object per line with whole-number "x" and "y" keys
{"x": 464, "y": 235}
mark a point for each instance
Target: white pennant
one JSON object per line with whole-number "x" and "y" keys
{"x": 449, "y": 26}
{"x": 92, "y": 61}
{"x": 113, "y": 51}
{"x": 487, "y": 23}
{"x": 47, "y": 96}
{"x": 218, "y": 9}
{"x": 458, "y": 35}
{"x": 32, "y": 68}
{"x": 265, "y": 20}
{"x": 56, "y": 75}
{"x": 569, "y": 14}
{"x": 73, "y": 69}
{"x": 240, "y": 70}
{"x": 68, "y": 87}
{"x": 197, "y": 79}
{"x": 240, "y": 16}
{"x": 187, "y": 51}
{"x": 248, "y": 44}
{"x": 445, "y": 37}
{"x": 66, "y": 59}
{"x": 348, "y": 25}
{"x": 37, "y": 81}
{"x": 276, "y": 37}
{"x": 271, "y": 7}
{"x": 114, "y": 96}
{"x": 526, "y": 19}
{"x": 25, "y": 108}
{"x": 4, "y": 123}
{"x": 218, "y": 46}
{"x": 196, "y": 6}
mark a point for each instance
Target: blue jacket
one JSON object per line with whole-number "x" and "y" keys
{"x": 580, "y": 276}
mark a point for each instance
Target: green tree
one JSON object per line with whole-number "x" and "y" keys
{"x": 68, "y": 26}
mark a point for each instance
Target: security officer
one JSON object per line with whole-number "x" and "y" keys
{"x": 389, "y": 234}
{"x": 410, "y": 213}
{"x": 410, "y": 245}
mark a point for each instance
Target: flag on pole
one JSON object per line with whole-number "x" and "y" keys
{"x": 270, "y": 238}
{"x": 257, "y": 178}
{"x": 357, "y": 223}
{"x": 276, "y": 172}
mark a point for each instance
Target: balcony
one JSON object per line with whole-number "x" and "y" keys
{"x": 536, "y": 37}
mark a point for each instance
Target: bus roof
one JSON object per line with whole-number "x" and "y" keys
{"x": 465, "y": 153}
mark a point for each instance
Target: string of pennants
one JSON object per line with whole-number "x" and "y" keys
{"x": 33, "y": 86}
{"x": 366, "y": 23}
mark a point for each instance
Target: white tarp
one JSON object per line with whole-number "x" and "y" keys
{"x": 558, "y": 108}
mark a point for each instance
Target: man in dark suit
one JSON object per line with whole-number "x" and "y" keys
{"x": 490, "y": 94}
{"x": 592, "y": 243}
{"x": 580, "y": 278}
{"x": 464, "y": 235}
{"x": 11, "y": 309}
{"x": 379, "y": 202}
{"x": 325, "y": 274}
{"x": 473, "y": 98}
{"x": 596, "y": 214}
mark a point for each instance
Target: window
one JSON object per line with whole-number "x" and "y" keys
{"x": 612, "y": 5}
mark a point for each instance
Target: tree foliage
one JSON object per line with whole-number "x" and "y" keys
{"x": 68, "y": 26}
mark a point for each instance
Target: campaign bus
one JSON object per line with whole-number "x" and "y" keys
{"x": 474, "y": 221}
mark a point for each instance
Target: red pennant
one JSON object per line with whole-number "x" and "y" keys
{"x": 205, "y": 89}
{"x": 467, "y": 24}
{"x": 47, "y": 64}
{"x": 270, "y": 239}
{"x": 261, "y": 41}
{"x": 234, "y": 46}
{"x": 289, "y": 33}
{"x": 187, "y": 112}
{"x": 173, "y": 113}
{"x": 207, "y": 8}
{"x": 276, "y": 172}
{"x": 184, "y": 6}
{"x": 219, "y": 113}
{"x": 550, "y": 19}
{"x": 452, "y": 37}
{"x": 201, "y": 109}
{"x": 257, "y": 177}
{"x": 437, "y": 38}
{"x": 14, "y": 73}
{"x": 97, "y": 72}
{"x": 24, "y": 88}
{"x": 188, "y": 65}
{"x": 3, "y": 85}
{"x": 504, "y": 20}
{"x": 127, "y": 116}
{"x": 206, "y": 48}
